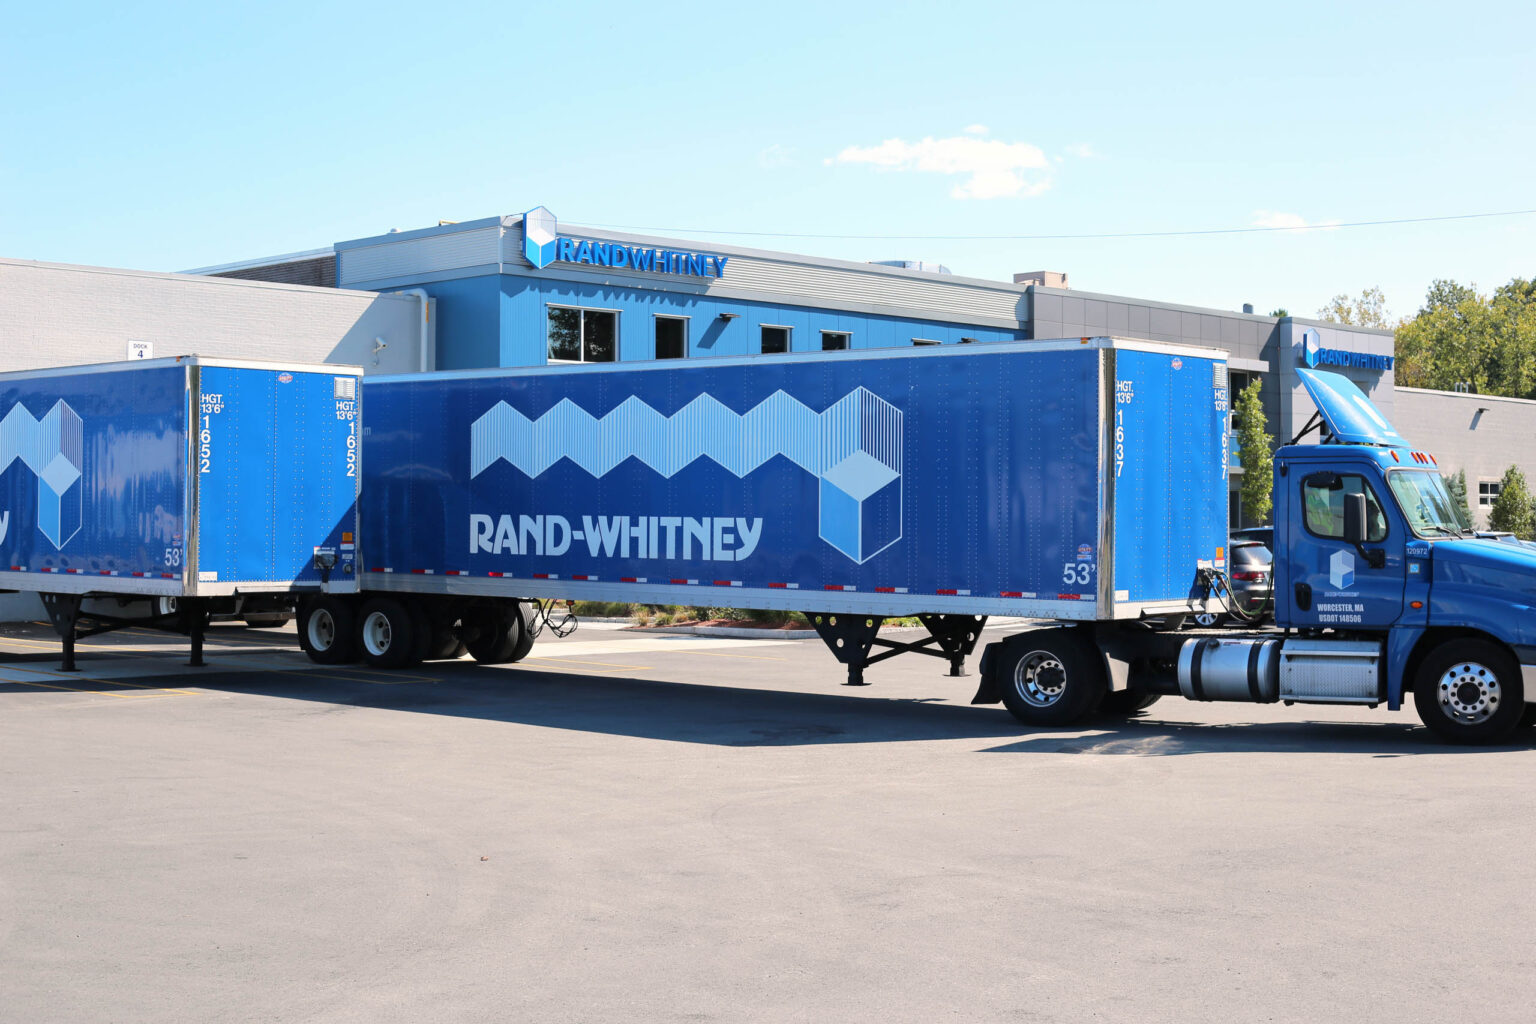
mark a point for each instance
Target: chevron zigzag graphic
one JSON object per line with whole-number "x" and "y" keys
{"x": 53, "y": 449}
{"x": 853, "y": 447}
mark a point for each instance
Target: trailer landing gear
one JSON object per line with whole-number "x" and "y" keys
{"x": 188, "y": 616}
{"x": 850, "y": 638}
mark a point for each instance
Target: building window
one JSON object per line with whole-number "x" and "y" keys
{"x": 924, "y": 341}
{"x": 1488, "y": 492}
{"x": 834, "y": 341}
{"x": 775, "y": 339}
{"x": 583, "y": 335}
{"x": 671, "y": 337}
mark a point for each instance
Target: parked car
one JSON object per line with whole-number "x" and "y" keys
{"x": 1250, "y": 568}
{"x": 1263, "y": 534}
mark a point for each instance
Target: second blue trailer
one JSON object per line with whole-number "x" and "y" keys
{"x": 1079, "y": 480}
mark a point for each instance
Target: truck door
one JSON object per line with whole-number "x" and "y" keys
{"x": 1329, "y": 582}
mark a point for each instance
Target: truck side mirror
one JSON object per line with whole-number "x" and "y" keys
{"x": 1354, "y": 519}
{"x": 1354, "y": 530}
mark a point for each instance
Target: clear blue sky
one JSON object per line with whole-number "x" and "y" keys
{"x": 162, "y": 138}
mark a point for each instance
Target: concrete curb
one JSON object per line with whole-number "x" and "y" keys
{"x": 734, "y": 632}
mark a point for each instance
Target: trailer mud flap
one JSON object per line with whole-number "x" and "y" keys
{"x": 987, "y": 691}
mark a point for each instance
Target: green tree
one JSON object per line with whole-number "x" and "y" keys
{"x": 1512, "y": 508}
{"x": 1369, "y": 310}
{"x": 1280, "y": 313}
{"x": 1488, "y": 343}
{"x": 1254, "y": 444}
{"x": 1445, "y": 294}
{"x": 1457, "y": 486}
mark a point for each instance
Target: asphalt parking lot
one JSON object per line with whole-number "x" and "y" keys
{"x": 632, "y": 828}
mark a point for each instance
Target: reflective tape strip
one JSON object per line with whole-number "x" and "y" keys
{"x": 727, "y": 583}
{"x": 686, "y": 581}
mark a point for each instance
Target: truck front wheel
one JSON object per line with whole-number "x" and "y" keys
{"x": 326, "y": 630}
{"x": 1468, "y": 691}
{"x": 1050, "y": 677}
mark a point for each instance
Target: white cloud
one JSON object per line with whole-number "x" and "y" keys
{"x": 1289, "y": 221}
{"x": 975, "y": 129}
{"x": 995, "y": 169}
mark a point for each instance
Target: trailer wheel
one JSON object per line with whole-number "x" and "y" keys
{"x": 524, "y": 616}
{"x": 1125, "y": 703}
{"x": 386, "y": 633}
{"x": 446, "y": 645}
{"x": 1050, "y": 677}
{"x": 492, "y": 632}
{"x": 1469, "y": 691}
{"x": 326, "y": 630}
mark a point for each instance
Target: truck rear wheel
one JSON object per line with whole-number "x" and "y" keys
{"x": 326, "y": 630}
{"x": 386, "y": 633}
{"x": 1469, "y": 691}
{"x": 1050, "y": 677}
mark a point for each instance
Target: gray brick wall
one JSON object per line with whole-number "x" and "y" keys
{"x": 57, "y": 314}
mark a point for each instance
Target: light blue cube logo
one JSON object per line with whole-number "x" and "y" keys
{"x": 853, "y": 447}
{"x": 53, "y": 449}
{"x": 860, "y": 511}
{"x": 1341, "y": 570}
{"x": 540, "y": 232}
{"x": 1311, "y": 346}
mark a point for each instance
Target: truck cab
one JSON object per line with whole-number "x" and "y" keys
{"x": 1368, "y": 543}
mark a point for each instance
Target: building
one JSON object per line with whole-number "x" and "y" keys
{"x": 524, "y": 290}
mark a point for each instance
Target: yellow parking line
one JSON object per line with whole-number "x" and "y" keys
{"x": 104, "y": 693}
{"x": 72, "y": 677}
{"x": 717, "y": 654}
{"x": 599, "y": 664}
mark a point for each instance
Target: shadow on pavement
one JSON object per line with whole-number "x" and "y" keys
{"x": 740, "y": 716}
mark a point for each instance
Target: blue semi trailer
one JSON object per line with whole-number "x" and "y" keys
{"x": 1079, "y": 482}
{"x": 159, "y": 492}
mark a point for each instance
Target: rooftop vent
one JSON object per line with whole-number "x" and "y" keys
{"x": 932, "y": 268}
{"x": 1043, "y": 278}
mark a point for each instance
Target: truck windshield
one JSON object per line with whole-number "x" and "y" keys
{"x": 1425, "y": 503}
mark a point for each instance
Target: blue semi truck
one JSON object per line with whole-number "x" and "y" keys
{"x": 1082, "y": 483}
{"x": 161, "y": 492}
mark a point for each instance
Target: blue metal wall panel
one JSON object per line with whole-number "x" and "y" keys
{"x": 469, "y": 321}
{"x": 92, "y": 474}
{"x": 1170, "y": 472}
{"x": 524, "y": 325}
{"x": 274, "y": 474}
{"x": 974, "y": 474}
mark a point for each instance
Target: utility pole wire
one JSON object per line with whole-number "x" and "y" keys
{"x": 1047, "y": 238}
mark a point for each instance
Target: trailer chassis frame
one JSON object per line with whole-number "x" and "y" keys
{"x": 851, "y": 638}
{"x": 71, "y": 623}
